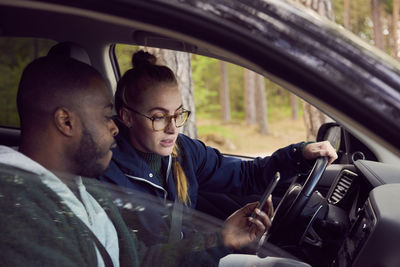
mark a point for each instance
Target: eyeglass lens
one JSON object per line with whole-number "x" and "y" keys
{"x": 160, "y": 123}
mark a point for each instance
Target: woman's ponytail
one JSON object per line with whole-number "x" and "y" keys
{"x": 182, "y": 186}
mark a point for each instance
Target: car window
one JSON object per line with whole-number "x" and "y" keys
{"x": 283, "y": 112}
{"x": 16, "y": 54}
{"x": 28, "y": 202}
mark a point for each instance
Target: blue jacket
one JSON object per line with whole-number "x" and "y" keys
{"x": 206, "y": 169}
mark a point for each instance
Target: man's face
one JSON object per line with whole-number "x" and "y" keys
{"x": 98, "y": 130}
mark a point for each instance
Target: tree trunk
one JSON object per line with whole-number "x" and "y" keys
{"x": 388, "y": 38}
{"x": 376, "y": 9}
{"x": 322, "y": 7}
{"x": 224, "y": 93}
{"x": 282, "y": 93}
{"x": 394, "y": 31}
{"x": 346, "y": 17}
{"x": 249, "y": 96}
{"x": 261, "y": 105}
{"x": 313, "y": 118}
{"x": 179, "y": 62}
{"x": 294, "y": 104}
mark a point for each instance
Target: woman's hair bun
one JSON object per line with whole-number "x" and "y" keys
{"x": 142, "y": 58}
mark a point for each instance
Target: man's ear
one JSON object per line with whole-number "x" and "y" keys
{"x": 126, "y": 117}
{"x": 66, "y": 121}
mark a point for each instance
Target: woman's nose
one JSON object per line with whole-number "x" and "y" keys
{"x": 171, "y": 128}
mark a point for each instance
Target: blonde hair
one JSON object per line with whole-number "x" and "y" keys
{"x": 181, "y": 182}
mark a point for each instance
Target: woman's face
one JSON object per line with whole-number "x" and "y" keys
{"x": 160, "y": 101}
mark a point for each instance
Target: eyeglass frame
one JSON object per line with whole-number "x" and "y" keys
{"x": 170, "y": 117}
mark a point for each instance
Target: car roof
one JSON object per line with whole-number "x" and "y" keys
{"x": 325, "y": 65}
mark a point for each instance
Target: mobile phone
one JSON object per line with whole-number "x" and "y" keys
{"x": 271, "y": 186}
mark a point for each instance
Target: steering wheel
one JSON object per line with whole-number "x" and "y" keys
{"x": 285, "y": 229}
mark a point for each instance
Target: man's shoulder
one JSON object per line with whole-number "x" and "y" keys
{"x": 23, "y": 189}
{"x": 98, "y": 189}
{"x": 14, "y": 175}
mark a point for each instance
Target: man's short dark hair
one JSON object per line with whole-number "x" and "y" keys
{"x": 51, "y": 82}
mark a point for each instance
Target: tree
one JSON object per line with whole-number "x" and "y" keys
{"x": 206, "y": 86}
{"x": 394, "y": 28}
{"x": 313, "y": 118}
{"x": 346, "y": 17}
{"x": 322, "y": 7}
{"x": 355, "y": 15}
{"x": 294, "y": 104}
{"x": 249, "y": 96}
{"x": 11, "y": 67}
{"x": 282, "y": 93}
{"x": 224, "y": 93}
{"x": 179, "y": 62}
{"x": 376, "y": 9}
{"x": 261, "y": 105}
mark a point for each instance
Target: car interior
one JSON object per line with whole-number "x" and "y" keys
{"x": 345, "y": 214}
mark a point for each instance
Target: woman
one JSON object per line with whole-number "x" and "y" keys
{"x": 153, "y": 157}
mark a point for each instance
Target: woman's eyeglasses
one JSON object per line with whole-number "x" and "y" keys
{"x": 162, "y": 122}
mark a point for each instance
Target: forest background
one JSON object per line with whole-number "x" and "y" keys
{"x": 235, "y": 110}
{"x": 227, "y": 96}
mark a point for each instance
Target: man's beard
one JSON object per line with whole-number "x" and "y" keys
{"x": 88, "y": 155}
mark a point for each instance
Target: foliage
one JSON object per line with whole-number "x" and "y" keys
{"x": 124, "y": 54}
{"x": 206, "y": 85}
{"x": 236, "y": 88}
{"x": 388, "y": 6}
{"x": 222, "y": 130}
{"x": 207, "y": 81}
{"x": 360, "y": 17}
{"x": 17, "y": 53}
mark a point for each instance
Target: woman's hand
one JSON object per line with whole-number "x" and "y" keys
{"x": 240, "y": 229}
{"x": 320, "y": 149}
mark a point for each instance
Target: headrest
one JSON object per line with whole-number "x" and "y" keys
{"x": 72, "y": 50}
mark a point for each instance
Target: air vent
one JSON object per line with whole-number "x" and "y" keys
{"x": 342, "y": 186}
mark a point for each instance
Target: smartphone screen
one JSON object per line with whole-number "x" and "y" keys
{"x": 271, "y": 186}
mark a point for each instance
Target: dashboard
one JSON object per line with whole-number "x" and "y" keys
{"x": 363, "y": 221}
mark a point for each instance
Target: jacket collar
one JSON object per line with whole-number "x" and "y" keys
{"x": 9, "y": 156}
{"x": 128, "y": 159}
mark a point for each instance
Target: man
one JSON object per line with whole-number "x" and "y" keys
{"x": 53, "y": 217}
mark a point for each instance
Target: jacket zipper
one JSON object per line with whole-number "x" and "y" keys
{"x": 152, "y": 184}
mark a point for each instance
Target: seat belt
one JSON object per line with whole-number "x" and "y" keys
{"x": 103, "y": 252}
{"x": 175, "y": 233}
